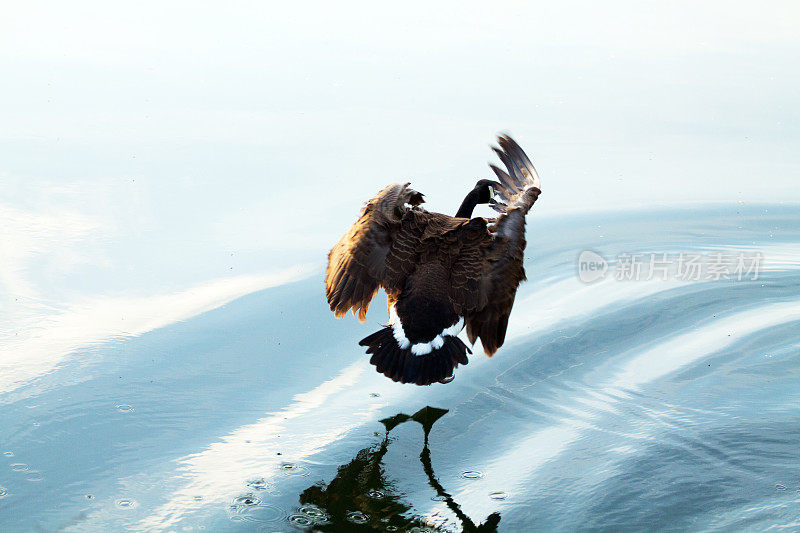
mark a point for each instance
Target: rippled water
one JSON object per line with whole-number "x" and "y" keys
{"x": 613, "y": 405}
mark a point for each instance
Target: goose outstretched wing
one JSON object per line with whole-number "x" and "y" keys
{"x": 501, "y": 268}
{"x": 357, "y": 264}
{"x": 485, "y": 262}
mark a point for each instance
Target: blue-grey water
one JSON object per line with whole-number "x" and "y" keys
{"x": 243, "y": 405}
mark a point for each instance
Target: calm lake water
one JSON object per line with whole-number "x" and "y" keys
{"x": 244, "y": 405}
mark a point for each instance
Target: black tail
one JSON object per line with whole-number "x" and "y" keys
{"x": 401, "y": 365}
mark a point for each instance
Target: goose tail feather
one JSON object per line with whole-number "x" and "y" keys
{"x": 400, "y": 364}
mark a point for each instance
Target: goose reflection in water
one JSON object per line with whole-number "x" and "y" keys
{"x": 360, "y": 498}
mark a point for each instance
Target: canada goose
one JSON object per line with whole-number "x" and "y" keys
{"x": 439, "y": 272}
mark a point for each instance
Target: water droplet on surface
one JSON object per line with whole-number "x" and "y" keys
{"x": 498, "y": 495}
{"x": 124, "y": 408}
{"x": 250, "y": 508}
{"x": 374, "y": 395}
{"x": 293, "y": 469}
{"x": 391, "y": 528}
{"x": 375, "y": 493}
{"x": 89, "y": 496}
{"x": 19, "y": 467}
{"x": 778, "y": 486}
{"x": 126, "y": 503}
{"x": 438, "y": 498}
{"x": 8, "y": 454}
{"x": 258, "y": 483}
{"x": 472, "y": 474}
{"x": 34, "y": 475}
{"x": 198, "y": 498}
{"x": 357, "y": 517}
{"x": 301, "y": 520}
{"x": 314, "y": 512}
{"x": 245, "y": 500}
{"x": 3, "y": 492}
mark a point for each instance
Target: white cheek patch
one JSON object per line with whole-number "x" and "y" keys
{"x": 421, "y": 348}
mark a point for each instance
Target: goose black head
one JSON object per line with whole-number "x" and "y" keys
{"x": 485, "y": 190}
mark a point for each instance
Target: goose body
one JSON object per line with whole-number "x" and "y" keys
{"x": 440, "y": 273}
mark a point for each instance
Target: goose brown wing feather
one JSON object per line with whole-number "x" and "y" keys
{"x": 469, "y": 271}
{"x": 503, "y": 251}
{"x": 357, "y": 263}
{"x": 419, "y": 233}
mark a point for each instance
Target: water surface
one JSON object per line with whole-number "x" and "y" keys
{"x": 243, "y": 404}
